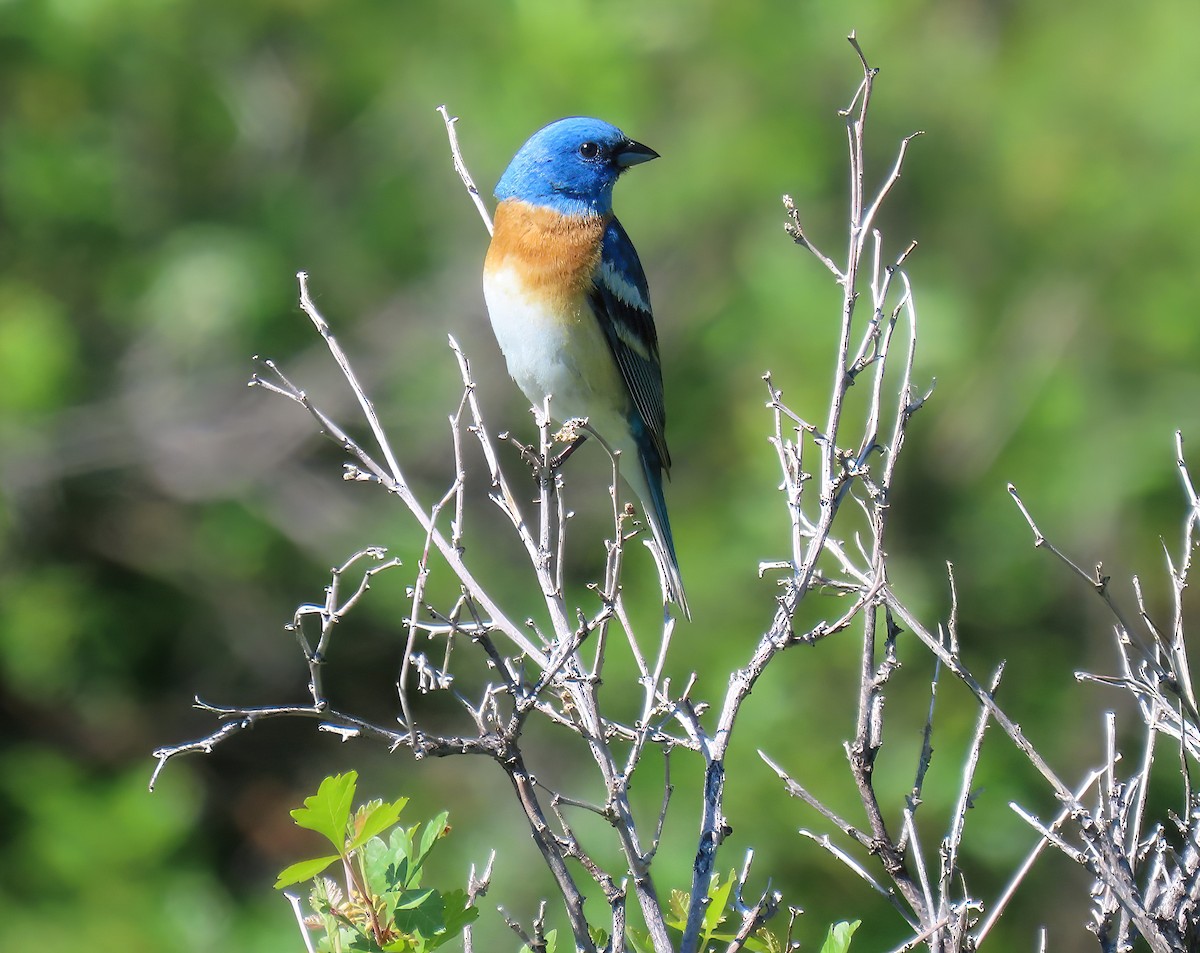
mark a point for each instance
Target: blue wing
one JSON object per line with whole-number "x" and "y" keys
{"x": 620, "y": 299}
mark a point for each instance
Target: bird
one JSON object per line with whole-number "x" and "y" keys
{"x": 570, "y": 306}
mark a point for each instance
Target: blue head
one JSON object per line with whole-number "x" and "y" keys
{"x": 571, "y": 166}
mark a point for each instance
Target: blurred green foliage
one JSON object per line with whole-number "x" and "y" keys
{"x": 166, "y": 167}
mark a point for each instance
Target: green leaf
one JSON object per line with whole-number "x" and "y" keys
{"x": 401, "y": 840}
{"x": 373, "y": 819}
{"x": 456, "y": 914}
{"x": 379, "y": 866}
{"x": 838, "y": 938}
{"x": 718, "y": 895}
{"x": 328, "y": 811}
{"x": 420, "y": 911}
{"x": 401, "y": 847}
{"x": 412, "y": 899}
{"x": 410, "y": 872}
{"x": 303, "y": 870}
{"x": 639, "y": 940}
{"x": 434, "y": 831}
{"x": 360, "y": 942}
{"x": 677, "y": 909}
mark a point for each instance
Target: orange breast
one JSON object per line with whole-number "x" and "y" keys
{"x": 556, "y": 255}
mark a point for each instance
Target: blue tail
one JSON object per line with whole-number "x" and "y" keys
{"x": 660, "y": 525}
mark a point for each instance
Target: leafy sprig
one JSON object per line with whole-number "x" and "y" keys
{"x": 383, "y": 906}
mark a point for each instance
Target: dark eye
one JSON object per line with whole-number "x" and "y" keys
{"x": 589, "y": 150}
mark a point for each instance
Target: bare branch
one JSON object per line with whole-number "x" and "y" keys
{"x": 461, "y": 167}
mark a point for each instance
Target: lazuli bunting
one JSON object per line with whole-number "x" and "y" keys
{"x": 570, "y": 306}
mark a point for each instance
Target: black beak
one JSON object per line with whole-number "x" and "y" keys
{"x": 633, "y": 153}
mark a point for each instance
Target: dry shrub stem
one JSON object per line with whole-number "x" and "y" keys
{"x": 552, "y": 669}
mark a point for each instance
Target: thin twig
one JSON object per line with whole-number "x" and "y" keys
{"x": 461, "y": 167}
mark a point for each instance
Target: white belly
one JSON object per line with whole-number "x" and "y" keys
{"x": 556, "y": 352}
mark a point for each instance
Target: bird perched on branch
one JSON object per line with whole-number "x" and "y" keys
{"x": 570, "y": 306}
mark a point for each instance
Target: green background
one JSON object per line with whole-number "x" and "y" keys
{"x": 165, "y": 169}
